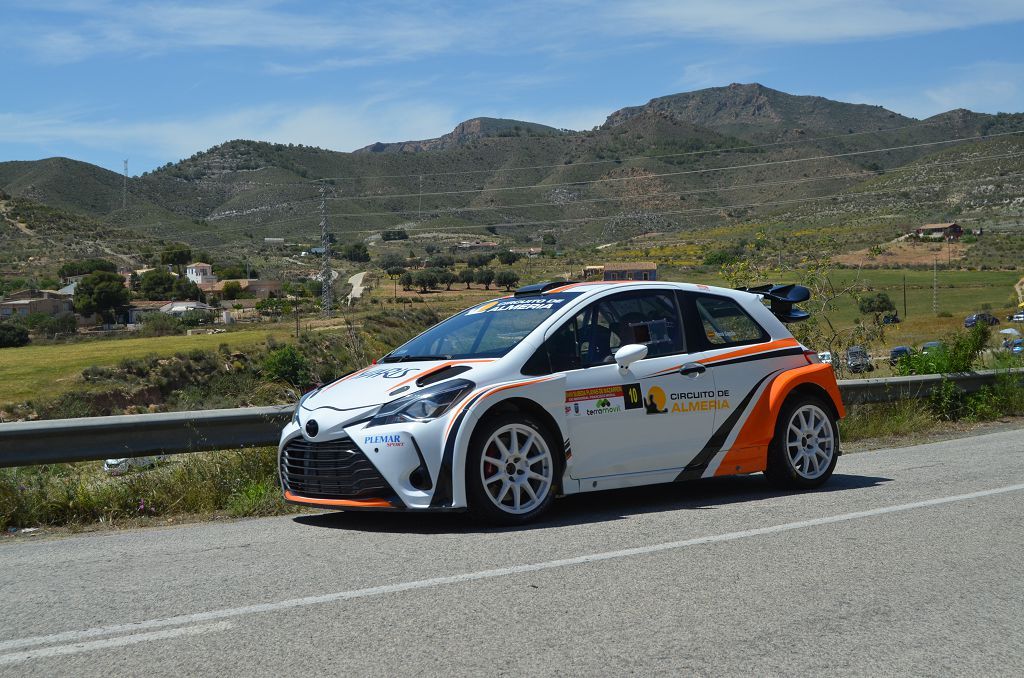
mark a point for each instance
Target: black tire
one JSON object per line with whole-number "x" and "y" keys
{"x": 783, "y": 471}
{"x": 482, "y": 505}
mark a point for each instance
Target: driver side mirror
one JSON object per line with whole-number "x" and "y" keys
{"x": 629, "y": 354}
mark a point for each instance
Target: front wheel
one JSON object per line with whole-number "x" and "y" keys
{"x": 805, "y": 448}
{"x": 511, "y": 470}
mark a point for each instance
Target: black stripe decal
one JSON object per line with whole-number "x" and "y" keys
{"x": 442, "y": 497}
{"x": 760, "y": 356}
{"x": 714, "y": 445}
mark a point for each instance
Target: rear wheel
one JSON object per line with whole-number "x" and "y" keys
{"x": 805, "y": 448}
{"x": 512, "y": 470}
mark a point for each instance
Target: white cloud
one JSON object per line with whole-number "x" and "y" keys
{"x": 705, "y": 74}
{"x": 337, "y": 127}
{"x": 987, "y": 87}
{"x": 808, "y": 21}
{"x": 359, "y": 35}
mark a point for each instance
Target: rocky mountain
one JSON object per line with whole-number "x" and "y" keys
{"x": 684, "y": 162}
{"x": 470, "y": 130}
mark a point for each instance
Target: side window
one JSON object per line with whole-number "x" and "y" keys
{"x": 649, "y": 318}
{"x": 594, "y": 335}
{"x": 725, "y": 323}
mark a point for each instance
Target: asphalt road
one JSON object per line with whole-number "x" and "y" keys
{"x": 908, "y": 562}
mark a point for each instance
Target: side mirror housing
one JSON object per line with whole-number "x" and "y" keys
{"x": 629, "y": 354}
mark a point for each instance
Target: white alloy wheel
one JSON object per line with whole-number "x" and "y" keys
{"x": 810, "y": 442}
{"x": 516, "y": 469}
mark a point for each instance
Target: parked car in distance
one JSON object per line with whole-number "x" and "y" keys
{"x": 857, "y": 359}
{"x": 825, "y": 357}
{"x": 986, "y": 318}
{"x": 931, "y": 347}
{"x": 1017, "y": 317}
{"x": 899, "y": 352}
{"x": 1017, "y": 347}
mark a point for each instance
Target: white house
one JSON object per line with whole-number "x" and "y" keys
{"x": 180, "y": 308}
{"x": 200, "y": 273}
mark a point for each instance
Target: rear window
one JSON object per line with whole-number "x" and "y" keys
{"x": 725, "y": 323}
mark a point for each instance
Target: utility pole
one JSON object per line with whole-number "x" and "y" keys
{"x": 326, "y": 295}
{"x": 904, "y": 296}
{"x": 935, "y": 286}
{"x": 124, "y": 190}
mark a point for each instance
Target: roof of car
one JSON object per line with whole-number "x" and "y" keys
{"x": 601, "y": 286}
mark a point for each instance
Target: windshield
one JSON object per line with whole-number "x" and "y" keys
{"x": 489, "y": 330}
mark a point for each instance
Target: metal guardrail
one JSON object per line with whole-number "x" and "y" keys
{"x": 139, "y": 435}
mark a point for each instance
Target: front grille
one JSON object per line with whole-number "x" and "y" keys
{"x": 332, "y": 470}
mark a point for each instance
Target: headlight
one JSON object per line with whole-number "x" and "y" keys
{"x": 430, "y": 403}
{"x": 295, "y": 414}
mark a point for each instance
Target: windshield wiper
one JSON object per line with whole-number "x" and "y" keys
{"x": 413, "y": 358}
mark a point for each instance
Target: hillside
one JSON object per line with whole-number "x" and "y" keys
{"x": 470, "y": 130}
{"x": 711, "y": 159}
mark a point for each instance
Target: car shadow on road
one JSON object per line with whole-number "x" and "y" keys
{"x": 588, "y": 508}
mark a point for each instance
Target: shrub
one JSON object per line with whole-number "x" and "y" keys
{"x": 12, "y": 335}
{"x": 160, "y": 325}
{"x": 288, "y": 365}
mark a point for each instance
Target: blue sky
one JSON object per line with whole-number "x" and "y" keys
{"x": 100, "y": 80}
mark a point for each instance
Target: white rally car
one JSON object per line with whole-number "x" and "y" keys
{"x": 571, "y": 387}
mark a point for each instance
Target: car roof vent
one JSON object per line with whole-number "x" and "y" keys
{"x": 539, "y": 288}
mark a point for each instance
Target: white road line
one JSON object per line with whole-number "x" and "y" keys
{"x": 108, "y": 643}
{"x": 204, "y": 617}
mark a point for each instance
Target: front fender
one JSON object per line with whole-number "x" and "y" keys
{"x": 547, "y": 392}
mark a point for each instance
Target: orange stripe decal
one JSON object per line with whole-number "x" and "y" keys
{"x": 352, "y": 503}
{"x": 751, "y": 350}
{"x": 486, "y": 393}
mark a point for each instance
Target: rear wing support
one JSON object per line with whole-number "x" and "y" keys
{"x": 783, "y": 299}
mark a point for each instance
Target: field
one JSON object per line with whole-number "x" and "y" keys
{"x": 45, "y": 371}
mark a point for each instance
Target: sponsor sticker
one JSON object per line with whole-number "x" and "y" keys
{"x": 387, "y": 440}
{"x": 658, "y": 402}
{"x": 602, "y": 400}
{"x": 528, "y": 304}
{"x": 387, "y": 373}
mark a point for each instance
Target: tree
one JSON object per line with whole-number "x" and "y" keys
{"x": 876, "y": 303}
{"x": 395, "y": 272}
{"x": 441, "y": 261}
{"x": 391, "y": 260}
{"x": 508, "y": 257}
{"x": 446, "y": 278}
{"x": 156, "y": 284}
{"x": 485, "y": 277}
{"x": 406, "y": 281}
{"x": 467, "y": 275}
{"x": 232, "y": 290}
{"x": 479, "y": 260}
{"x": 85, "y": 266}
{"x": 425, "y": 280}
{"x": 507, "y": 279}
{"x": 12, "y": 336}
{"x": 355, "y": 252}
{"x": 184, "y": 289}
{"x": 549, "y": 239}
{"x": 176, "y": 254}
{"x": 394, "y": 234}
{"x": 101, "y": 293}
{"x": 430, "y": 248}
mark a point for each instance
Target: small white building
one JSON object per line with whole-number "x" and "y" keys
{"x": 200, "y": 273}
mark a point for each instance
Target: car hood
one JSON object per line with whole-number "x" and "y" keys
{"x": 378, "y": 384}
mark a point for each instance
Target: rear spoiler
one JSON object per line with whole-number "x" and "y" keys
{"x": 783, "y": 298}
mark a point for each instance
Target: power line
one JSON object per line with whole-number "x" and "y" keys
{"x": 895, "y": 170}
{"x": 709, "y": 170}
{"x": 326, "y": 293}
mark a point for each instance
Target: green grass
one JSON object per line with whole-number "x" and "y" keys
{"x": 239, "y": 483}
{"x": 47, "y": 370}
